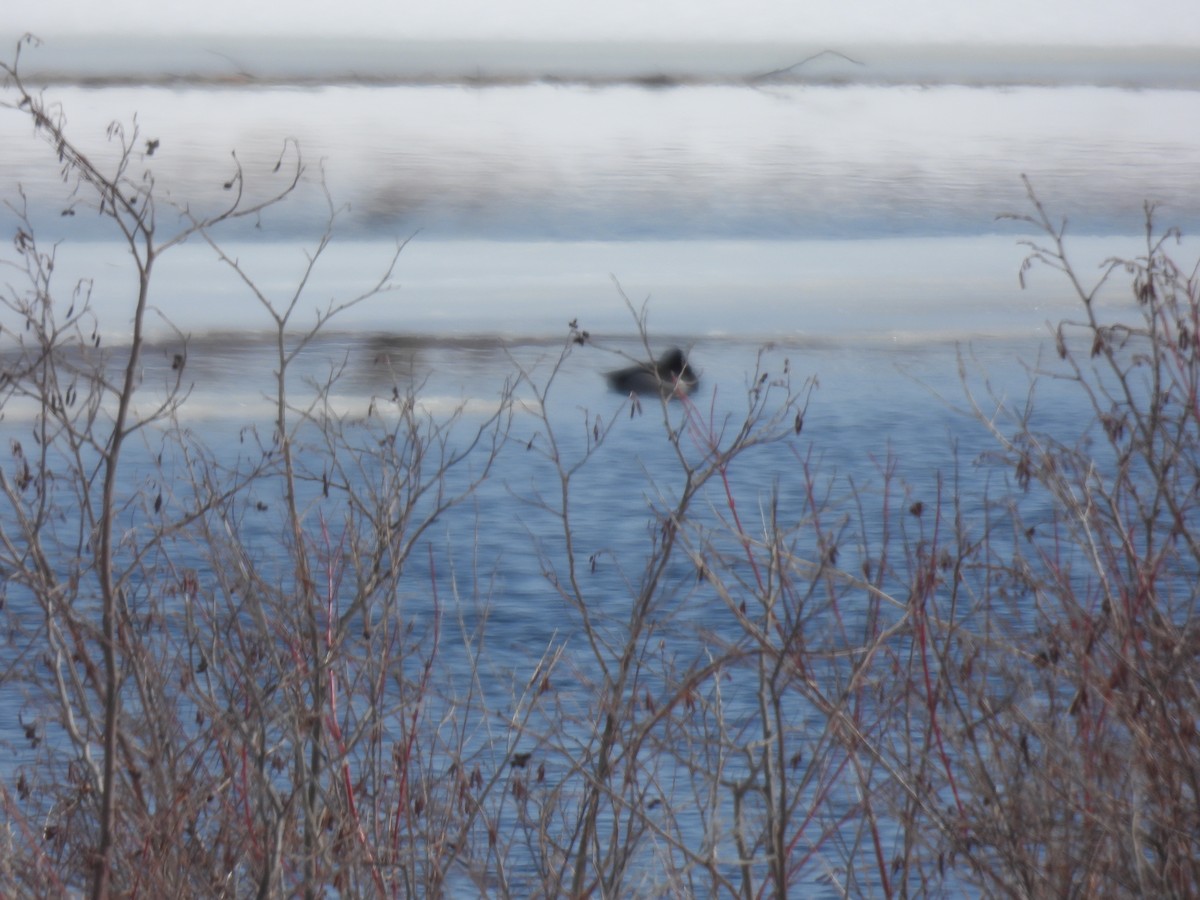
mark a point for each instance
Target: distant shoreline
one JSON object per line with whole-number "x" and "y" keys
{"x": 223, "y": 61}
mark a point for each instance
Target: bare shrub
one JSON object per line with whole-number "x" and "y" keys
{"x": 204, "y": 723}
{"x": 1082, "y": 752}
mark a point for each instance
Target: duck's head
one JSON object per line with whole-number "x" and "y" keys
{"x": 676, "y": 373}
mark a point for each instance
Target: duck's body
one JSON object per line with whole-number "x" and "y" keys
{"x": 670, "y": 375}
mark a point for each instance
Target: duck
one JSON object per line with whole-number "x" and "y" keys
{"x": 670, "y": 375}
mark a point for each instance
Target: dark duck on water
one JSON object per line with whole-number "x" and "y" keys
{"x": 670, "y": 375}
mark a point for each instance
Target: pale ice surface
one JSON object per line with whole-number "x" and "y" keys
{"x": 897, "y": 289}
{"x": 789, "y": 211}
{"x": 545, "y": 162}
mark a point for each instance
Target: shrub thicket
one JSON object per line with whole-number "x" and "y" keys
{"x": 905, "y": 696}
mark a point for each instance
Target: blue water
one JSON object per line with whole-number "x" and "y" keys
{"x": 851, "y": 228}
